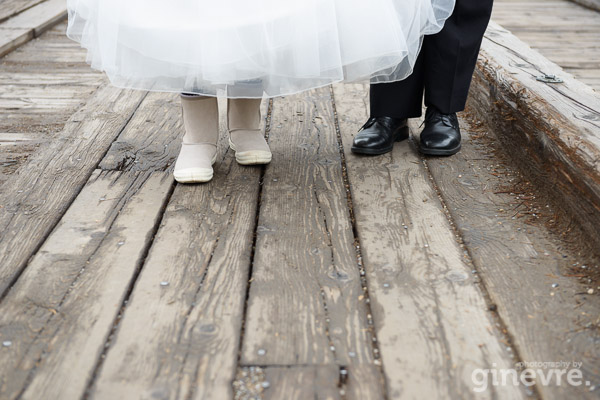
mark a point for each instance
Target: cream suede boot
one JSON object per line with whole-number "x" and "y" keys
{"x": 199, "y": 147}
{"x": 245, "y": 136}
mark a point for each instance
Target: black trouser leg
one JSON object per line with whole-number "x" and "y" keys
{"x": 402, "y": 99}
{"x": 443, "y": 70}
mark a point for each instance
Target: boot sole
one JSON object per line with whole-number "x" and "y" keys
{"x": 402, "y": 134}
{"x": 253, "y": 157}
{"x": 438, "y": 152}
{"x": 195, "y": 175}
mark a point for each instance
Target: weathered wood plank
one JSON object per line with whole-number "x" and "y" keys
{"x": 552, "y": 131}
{"x": 152, "y": 140}
{"x": 519, "y": 265}
{"x": 39, "y": 18}
{"x": 364, "y": 382}
{"x": 10, "y": 138}
{"x": 57, "y": 78}
{"x": 562, "y": 26}
{"x": 92, "y": 272}
{"x": 10, "y": 39}
{"x": 61, "y": 310}
{"x": 31, "y": 94}
{"x": 31, "y": 23}
{"x": 9, "y": 8}
{"x": 306, "y": 304}
{"x": 38, "y": 97}
{"x": 39, "y": 193}
{"x": 432, "y": 323}
{"x": 58, "y": 52}
{"x": 302, "y": 383}
{"x": 593, "y": 4}
{"x": 181, "y": 340}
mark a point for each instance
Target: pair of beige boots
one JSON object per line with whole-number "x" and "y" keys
{"x": 199, "y": 148}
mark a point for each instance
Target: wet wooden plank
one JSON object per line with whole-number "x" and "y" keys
{"x": 36, "y": 197}
{"x": 431, "y": 319}
{"x": 519, "y": 265}
{"x": 60, "y": 312}
{"x": 306, "y": 304}
{"x": 181, "y": 340}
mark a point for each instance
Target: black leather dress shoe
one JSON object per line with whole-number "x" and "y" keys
{"x": 441, "y": 135}
{"x": 378, "y": 135}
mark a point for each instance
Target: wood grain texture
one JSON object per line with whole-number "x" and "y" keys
{"x": 9, "y": 8}
{"x": 319, "y": 382}
{"x": 62, "y": 309}
{"x": 36, "y": 197}
{"x": 38, "y": 97}
{"x": 40, "y": 17}
{"x": 561, "y": 30}
{"x": 30, "y": 23}
{"x": 364, "y": 382}
{"x": 552, "y": 131}
{"x": 76, "y": 306}
{"x": 306, "y": 304}
{"x": 181, "y": 340}
{"x": 151, "y": 141}
{"x": 593, "y": 4}
{"x": 10, "y": 39}
{"x": 432, "y": 323}
{"x": 519, "y": 265}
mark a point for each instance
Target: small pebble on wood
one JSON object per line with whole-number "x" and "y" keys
{"x": 555, "y": 285}
{"x": 261, "y": 352}
{"x": 7, "y": 343}
{"x": 164, "y": 283}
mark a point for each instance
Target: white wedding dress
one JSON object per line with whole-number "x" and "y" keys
{"x": 251, "y": 48}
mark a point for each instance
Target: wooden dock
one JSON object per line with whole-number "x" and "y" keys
{"x": 563, "y": 31}
{"x": 321, "y": 276}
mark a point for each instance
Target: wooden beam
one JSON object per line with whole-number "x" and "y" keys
{"x": 551, "y": 130}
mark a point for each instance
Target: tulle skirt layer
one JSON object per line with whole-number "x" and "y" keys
{"x": 252, "y": 48}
